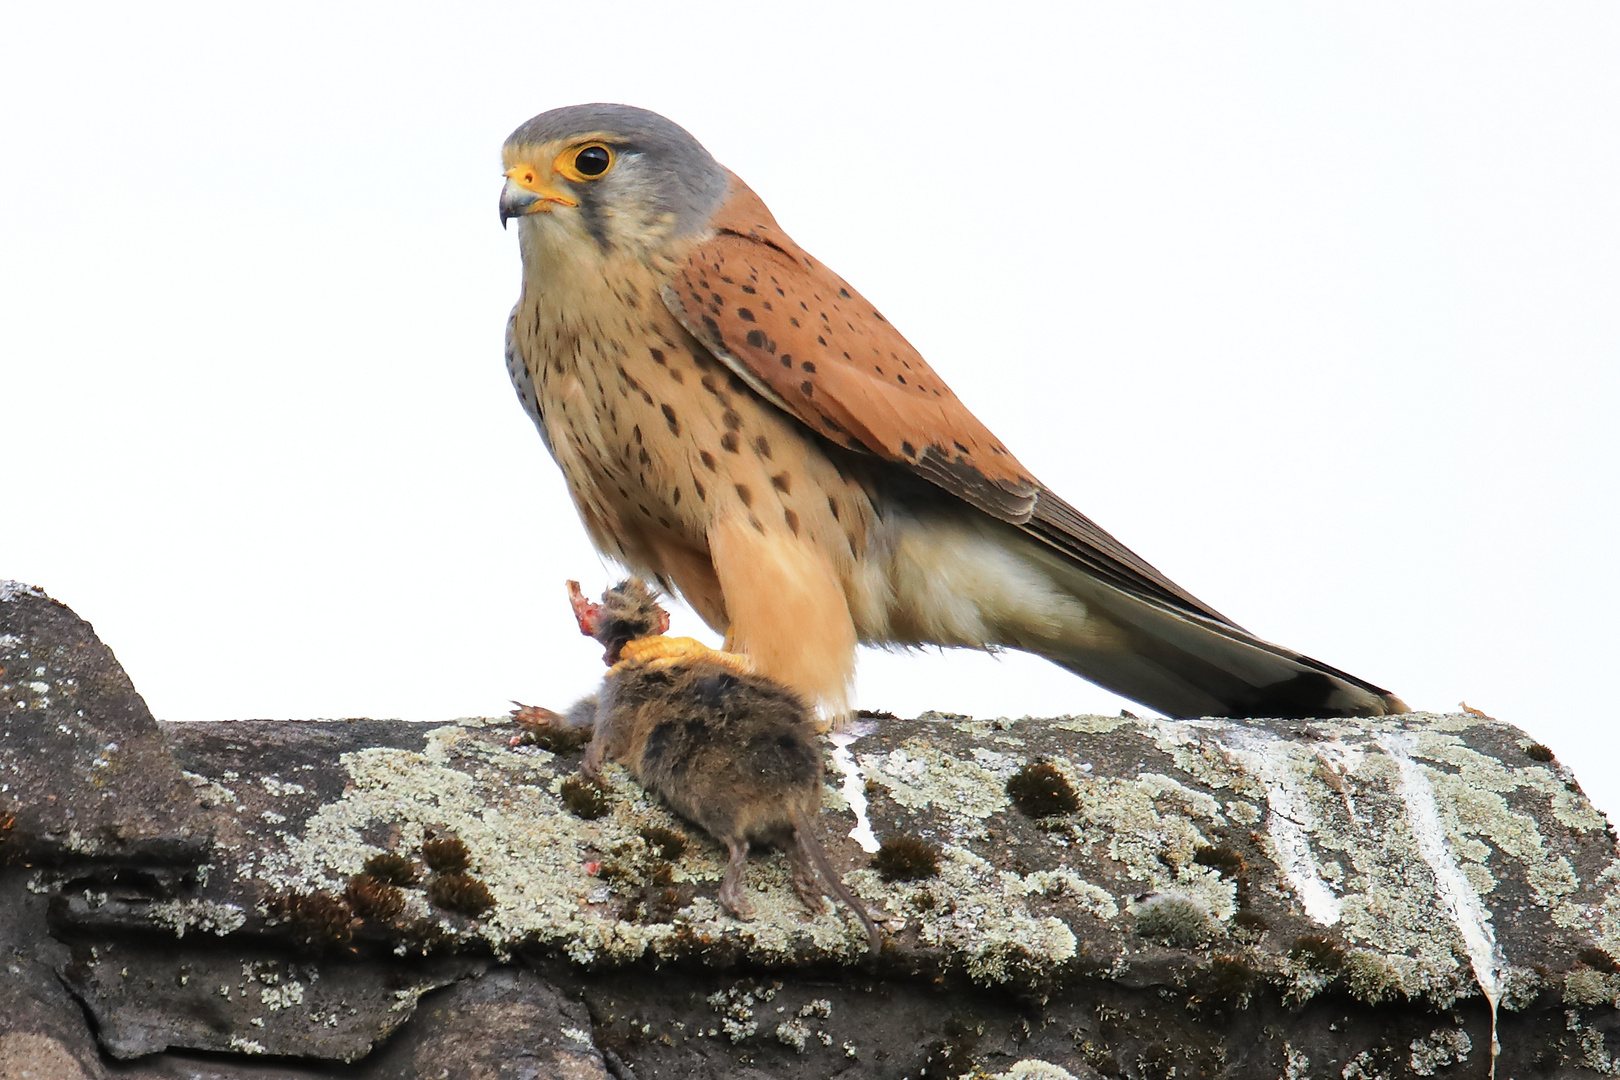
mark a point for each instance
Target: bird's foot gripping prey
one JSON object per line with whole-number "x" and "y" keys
{"x": 736, "y": 422}
{"x": 631, "y": 624}
{"x": 728, "y": 749}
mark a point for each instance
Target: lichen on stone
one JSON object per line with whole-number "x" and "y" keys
{"x": 205, "y": 915}
{"x": 1175, "y": 919}
{"x": 1034, "y": 1069}
{"x": 981, "y": 918}
{"x": 1440, "y": 1048}
{"x": 918, "y": 776}
{"x": 1584, "y": 986}
{"x": 1067, "y": 884}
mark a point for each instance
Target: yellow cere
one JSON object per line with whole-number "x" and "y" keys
{"x": 526, "y": 177}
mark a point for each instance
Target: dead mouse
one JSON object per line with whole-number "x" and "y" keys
{"x": 729, "y": 750}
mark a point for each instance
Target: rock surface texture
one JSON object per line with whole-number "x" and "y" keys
{"x": 1069, "y": 897}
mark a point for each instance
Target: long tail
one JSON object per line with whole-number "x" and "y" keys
{"x": 1062, "y": 588}
{"x": 1185, "y": 665}
{"x": 804, "y": 835}
{"x": 1142, "y": 636}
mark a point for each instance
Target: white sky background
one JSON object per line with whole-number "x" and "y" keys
{"x": 1316, "y": 307}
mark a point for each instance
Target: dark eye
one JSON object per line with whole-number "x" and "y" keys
{"x": 593, "y": 161}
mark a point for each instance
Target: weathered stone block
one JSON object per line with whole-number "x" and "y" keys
{"x": 1113, "y": 896}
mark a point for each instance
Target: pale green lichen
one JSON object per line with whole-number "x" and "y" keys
{"x": 206, "y": 915}
{"x": 532, "y": 854}
{"x": 1176, "y": 920}
{"x": 793, "y": 1033}
{"x": 1090, "y": 725}
{"x": 284, "y": 996}
{"x": 919, "y": 776}
{"x": 1595, "y": 1051}
{"x": 1376, "y": 978}
{"x": 979, "y": 915}
{"x": 1345, "y": 795}
{"x": 1167, "y": 791}
{"x": 280, "y": 788}
{"x": 1153, "y": 844}
{"x": 209, "y": 791}
{"x": 1520, "y": 986}
{"x": 1243, "y": 812}
{"x": 1064, "y": 883}
{"x": 1132, "y": 834}
{"x": 1363, "y": 1067}
{"x": 1440, "y": 1048}
{"x": 1034, "y": 1069}
{"x": 1584, "y": 986}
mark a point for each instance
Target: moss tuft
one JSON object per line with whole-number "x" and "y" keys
{"x": 656, "y": 905}
{"x": 461, "y": 892}
{"x": 1223, "y": 988}
{"x": 558, "y": 739}
{"x": 612, "y": 870}
{"x": 424, "y": 935}
{"x": 1318, "y": 953}
{"x": 1538, "y": 752}
{"x": 1250, "y": 920}
{"x": 667, "y": 844}
{"x": 316, "y": 922}
{"x": 583, "y": 798}
{"x": 391, "y": 869}
{"x": 906, "y": 858}
{"x": 373, "y": 899}
{"x": 1598, "y": 960}
{"x": 1223, "y": 860}
{"x": 445, "y": 853}
{"x": 1040, "y": 790}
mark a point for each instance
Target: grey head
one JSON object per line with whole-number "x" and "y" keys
{"x": 616, "y": 172}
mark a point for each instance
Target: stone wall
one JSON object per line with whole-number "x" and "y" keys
{"x": 1072, "y": 896}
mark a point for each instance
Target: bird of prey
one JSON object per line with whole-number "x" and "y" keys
{"x": 737, "y": 422}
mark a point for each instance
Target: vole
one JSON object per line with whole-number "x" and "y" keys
{"x": 728, "y": 749}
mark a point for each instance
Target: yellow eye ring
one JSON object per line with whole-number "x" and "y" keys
{"x": 589, "y": 162}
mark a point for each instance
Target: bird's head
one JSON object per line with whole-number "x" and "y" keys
{"x": 613, "y": 176}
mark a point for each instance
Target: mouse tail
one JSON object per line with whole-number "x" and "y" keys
{"x": 804, "y": 835}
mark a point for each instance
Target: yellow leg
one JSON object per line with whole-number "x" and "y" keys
{"x": 788, "y": 613}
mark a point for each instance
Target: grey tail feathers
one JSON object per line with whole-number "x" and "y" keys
{"x": 804, "y": 835}
{"x": 1189, "y": 661}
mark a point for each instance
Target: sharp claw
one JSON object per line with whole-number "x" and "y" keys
{"x": 533, "y": 715}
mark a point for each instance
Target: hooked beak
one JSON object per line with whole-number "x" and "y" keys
{"x": 526, "y": 194}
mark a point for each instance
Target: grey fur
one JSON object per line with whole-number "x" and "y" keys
{"x": 685, "y": 179}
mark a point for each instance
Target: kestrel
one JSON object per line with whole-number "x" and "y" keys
{"x": 737, "y": 422}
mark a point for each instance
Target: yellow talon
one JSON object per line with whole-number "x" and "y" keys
{"x": 662, "y": 651}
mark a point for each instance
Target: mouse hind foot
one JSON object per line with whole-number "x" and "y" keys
{"x": 806, "y": 878}
{"x": 733, "y": 883}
